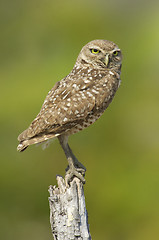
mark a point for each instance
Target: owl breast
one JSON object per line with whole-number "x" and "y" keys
{"x": 104, "y": 93}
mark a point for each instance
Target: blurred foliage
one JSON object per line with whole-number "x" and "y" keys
{"x": 39, "y": 43}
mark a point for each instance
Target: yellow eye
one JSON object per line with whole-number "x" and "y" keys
{"x": 95, "y": 51}
{"x": 115, "y": 53}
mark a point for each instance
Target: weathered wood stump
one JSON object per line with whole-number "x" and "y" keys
{"x": 68, "y": 214}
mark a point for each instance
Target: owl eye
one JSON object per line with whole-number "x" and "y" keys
{"x": 115, "y": 53}
{"x": 95, "y": 51}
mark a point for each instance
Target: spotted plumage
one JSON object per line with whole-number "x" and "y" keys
{"x": 80, "y": 98}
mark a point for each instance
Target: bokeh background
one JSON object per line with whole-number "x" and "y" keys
{"x": 39, "y": 43}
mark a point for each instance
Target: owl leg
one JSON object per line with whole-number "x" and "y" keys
{"x": 75, "y": 167}
{"x": 76, "y": 162}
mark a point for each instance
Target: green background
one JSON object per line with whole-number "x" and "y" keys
{"x": 39, "y": 43}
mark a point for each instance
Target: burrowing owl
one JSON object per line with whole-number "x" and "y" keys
{"x": 78, "y": 100}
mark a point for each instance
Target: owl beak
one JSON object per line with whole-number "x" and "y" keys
{"x": 107, "y": 59}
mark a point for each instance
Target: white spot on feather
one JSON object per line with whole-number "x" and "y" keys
{"x": 64, "y": 91}
{"x": 110, "y": 72}
{"x": 65, "y": 119}
{"x": 66, "y": 95}
{"x": 76, "y": 111}
{"x": 74, "y": 85}
{"x": 93, "y": 90}
{"x": 89, "y": 94}
{"x": 65, "y": 108}
{"x": 86, "y": 81}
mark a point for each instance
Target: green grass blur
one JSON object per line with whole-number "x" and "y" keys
{"x": 39, "y": 43}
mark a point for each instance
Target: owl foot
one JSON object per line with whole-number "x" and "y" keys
{"x": 74, "y": 172}
{"x": 78, "y": 165}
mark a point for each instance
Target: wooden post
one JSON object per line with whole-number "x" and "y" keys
{"x": 68, "y": 214}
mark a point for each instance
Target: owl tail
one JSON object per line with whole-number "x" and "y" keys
{"x": 34, "y": 140}
{"x": 22, "y": 146}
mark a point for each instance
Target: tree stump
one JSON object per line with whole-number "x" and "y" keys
{"x": 68, "y": 214}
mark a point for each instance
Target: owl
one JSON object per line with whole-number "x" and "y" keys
{"x": 77, "y": 101}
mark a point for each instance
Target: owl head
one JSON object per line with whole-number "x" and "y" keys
{"x": 100, "y": 54}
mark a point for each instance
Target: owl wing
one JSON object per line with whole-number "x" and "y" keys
{"x": 66, "y": 105}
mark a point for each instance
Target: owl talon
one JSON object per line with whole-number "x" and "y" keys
{"x": 80, "y": 166}
{"x": 74, "y": 172}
